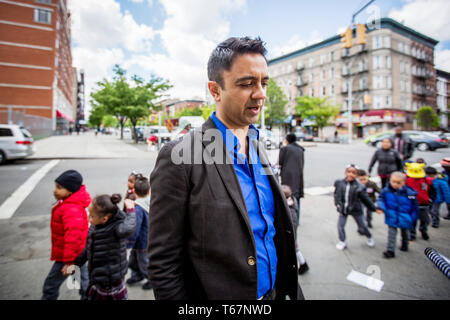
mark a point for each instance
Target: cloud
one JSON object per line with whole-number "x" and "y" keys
{"x": 443, "y": 59}
{"x": 188, "y": 42}
{"x": 295, "y": 43}
{"x": 430, "y": 17}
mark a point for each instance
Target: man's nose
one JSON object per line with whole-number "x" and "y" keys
{"x": 259, "y": 93}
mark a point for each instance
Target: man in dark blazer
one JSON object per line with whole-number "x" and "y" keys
{"x": 219, "y": 223}
{"x": 291, "y": 161}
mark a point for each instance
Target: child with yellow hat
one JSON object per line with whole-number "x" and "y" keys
{"x": 424, "y": 187}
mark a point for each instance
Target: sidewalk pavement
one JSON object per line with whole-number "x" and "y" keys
{"x": 87, "y": 145}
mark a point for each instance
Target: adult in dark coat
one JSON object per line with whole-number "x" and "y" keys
{"x": 388, "y": 161}
{"x": 291, "y": 161}
{"x": 402, "y": 144}
{"x": 201, "y": 240}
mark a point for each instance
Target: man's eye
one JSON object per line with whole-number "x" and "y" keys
{"x": 246, "y": 84}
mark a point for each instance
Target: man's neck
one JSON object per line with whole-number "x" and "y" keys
{"x": 239, "y": 131}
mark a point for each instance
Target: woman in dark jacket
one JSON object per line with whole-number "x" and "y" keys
{"x": 388, "y": 161}
{"x": 106, "y": 247}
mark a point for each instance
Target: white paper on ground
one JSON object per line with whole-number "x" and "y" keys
{"x": 365, "y": 280}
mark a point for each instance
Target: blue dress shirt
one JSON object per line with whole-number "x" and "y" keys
{"x": 258, "y": 197}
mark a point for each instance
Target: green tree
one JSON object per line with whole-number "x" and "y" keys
{"x": 275, "y": 104}
{"x": 188, "y": 111}
{"x": 129, "y": 100}
{"x": 319, "y": 110}
{"x": 96, "y": 117}
{"x": 109, "y": 121}
{"x": 427, "y": 118}
{"x": 208, "y": 110}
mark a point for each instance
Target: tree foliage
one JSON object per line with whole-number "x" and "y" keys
{"x": 129, "y": 99}
{"x": 319, "y": 110}
{"x": 275, "y": 104}
{"x": 188, "y": 111}
{"x": 208, "y": 110}
{"x": 427, "y": 118}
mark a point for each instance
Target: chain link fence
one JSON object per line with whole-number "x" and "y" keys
{"x": 38, "y": 126}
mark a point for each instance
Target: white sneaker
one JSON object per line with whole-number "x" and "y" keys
{"x": 371, "y": 242}
{"x": 341, "y": 245}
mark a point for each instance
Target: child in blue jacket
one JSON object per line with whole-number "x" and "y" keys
{"x": 139, "y": 241}
{"x": 399, "y": 205}
{"x": 440, "y": 183}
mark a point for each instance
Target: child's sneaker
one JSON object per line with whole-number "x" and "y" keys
{"x": 389, "y": 254}
{"x": 341, "y": 245}
{"x": 303, "y": 268}
{"x": 425, "y": 235}
{"x": 371, "y": 242}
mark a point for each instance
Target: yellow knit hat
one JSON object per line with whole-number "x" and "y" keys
{"x": 415, "y": 170}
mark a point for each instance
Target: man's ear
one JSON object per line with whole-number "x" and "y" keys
{"x": 215, "y": 90}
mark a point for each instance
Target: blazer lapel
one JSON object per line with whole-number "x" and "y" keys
{"x": 228, "y": 175}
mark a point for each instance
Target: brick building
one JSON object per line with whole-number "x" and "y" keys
{"x": 36, "y": 74}
{"x": 391, "y": 76}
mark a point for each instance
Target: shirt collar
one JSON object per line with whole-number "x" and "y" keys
{"x": 253, "y": 133}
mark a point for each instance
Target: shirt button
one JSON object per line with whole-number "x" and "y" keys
{"x": 251, "y": 261}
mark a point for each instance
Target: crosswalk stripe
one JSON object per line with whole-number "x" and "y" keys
{"x": 10, "y": 205}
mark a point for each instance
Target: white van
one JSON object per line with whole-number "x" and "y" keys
{"x": 16, "y": 142}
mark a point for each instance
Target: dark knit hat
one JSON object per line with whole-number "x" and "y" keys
{"x": 71, "y": 180}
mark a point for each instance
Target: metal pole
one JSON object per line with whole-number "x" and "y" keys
{"x": 159, "y": 134}
{"x": 349, "y": 104}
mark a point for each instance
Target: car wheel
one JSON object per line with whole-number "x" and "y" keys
{"x": 2, "y": 157}
{"x": 422, "y": 146}
{"x": 378, "y": 144}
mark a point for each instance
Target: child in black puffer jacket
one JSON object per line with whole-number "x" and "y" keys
{"x": 106, "y": 248}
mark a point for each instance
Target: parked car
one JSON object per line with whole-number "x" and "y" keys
{"x": 373, "y": 139}
{"x": 16, "y": 142}
{"x": 301, "y": 136}
{"x": 422, "y": 140}
{"x": 162, "y": 131}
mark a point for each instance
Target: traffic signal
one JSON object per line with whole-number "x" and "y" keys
{"x": 361, "y": 34}
{"x": 346, "y": 38}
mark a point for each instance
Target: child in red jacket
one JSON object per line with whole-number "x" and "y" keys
{"x": 425, "y": 193}
{"x": 69, "y": 228}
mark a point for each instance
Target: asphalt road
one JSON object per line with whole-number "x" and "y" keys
{"x": 25, "y": 238}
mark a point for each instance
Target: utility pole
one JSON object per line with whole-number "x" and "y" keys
{"x": 346, "y": 38}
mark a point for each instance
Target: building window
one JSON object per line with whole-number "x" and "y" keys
{"x": 322, "y": 74}
{"x": 324, "y": 91}
{"x": 376, "y": 42}
{"x": 413, "y": 51}
{"x": 400, "y": 46}
{"x": 361, "y": 104}
{"x": 402, "y": 85}
{"x": 402, "y": 67}
{"x": 43, "y": 16}
{"x": 331, "y": 56}
{"x": 377, "y": 62}
{"x": 387, "y": 42}
{"x": 322, "y": 59}
{"x": 388, "y": 82}
{"x": 388, "y": 62}
{"x": 406, "y": 68}
{"x": 388, "y": 101}
{"x": 407, "y": 86}
{"x": 377, "y": 102}
{"x": 311, "y": 62}
{"x": 311, "y": 77}
{"x": 311, "y": 92}
{"x": 377, "y": 81}
{"x": 332, "y": 89}
{"x": 363, "y": 84}
{"x": 406, "y": 48}
{"x": 332, "y": 73}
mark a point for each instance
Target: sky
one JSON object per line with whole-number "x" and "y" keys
{"x": 173, "y": 39}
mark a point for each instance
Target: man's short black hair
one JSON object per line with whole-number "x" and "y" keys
{"x": 430, "y": 170}
{"x": 290, "y": 138}
{"x": 141, "y": 187}
{"x": 222, "y": 57}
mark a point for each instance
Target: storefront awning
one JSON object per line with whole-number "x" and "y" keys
{"x": 59, "y": 114}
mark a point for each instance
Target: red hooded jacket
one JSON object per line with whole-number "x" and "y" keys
{"x": 69, "y": 226}
{"x": 422, "y": 186}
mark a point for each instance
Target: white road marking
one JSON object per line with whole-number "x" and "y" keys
{"x": 365, "y": 281}
{"x": 9, "y": 207}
